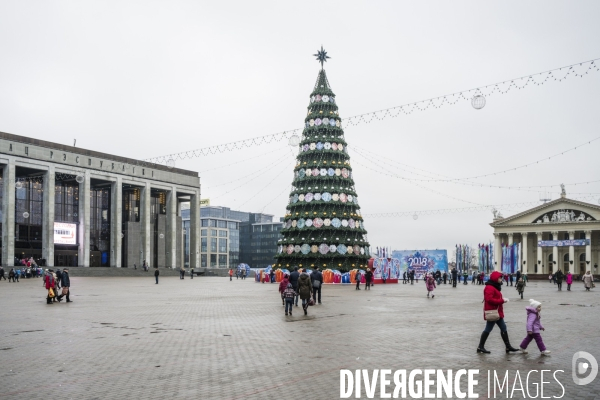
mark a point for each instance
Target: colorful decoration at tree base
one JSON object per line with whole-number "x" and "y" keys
{"x": 421, "y": 261}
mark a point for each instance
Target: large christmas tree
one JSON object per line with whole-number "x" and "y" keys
{"x": 323, "y": 226}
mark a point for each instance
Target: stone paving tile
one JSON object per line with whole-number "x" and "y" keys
{"x": 209, "y": 338}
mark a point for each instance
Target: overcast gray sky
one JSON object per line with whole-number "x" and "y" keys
{"x": 143, "y": 79}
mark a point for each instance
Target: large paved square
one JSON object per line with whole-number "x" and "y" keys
{"x": 209, "y": 338}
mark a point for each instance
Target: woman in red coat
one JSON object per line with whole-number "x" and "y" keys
{"x": 493, "y": 300}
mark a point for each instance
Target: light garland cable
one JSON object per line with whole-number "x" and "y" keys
{"x": 253, "y": 173}
{"x": 248, "y": 181}
{"x": 409, "y": 108}
{"x": 243, "y": 160}
{"x": 508, "y": 206}
{"x": 454, "y": 180}
{"x": 416, "y": 184}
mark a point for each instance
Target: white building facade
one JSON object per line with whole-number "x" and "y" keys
{"x": 562, "y": 234}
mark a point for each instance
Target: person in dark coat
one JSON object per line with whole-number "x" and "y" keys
{"x": 368, "y": 279}
{"x": 2, "y": 274}
{"x": 58, "y": 278}
{"x": 559, "y": 279}
{"x": 294, "y": 276}
{"x": 66, "y": 284}
{"x": 404, "y": 280}
{"x": 357, "y": 280}
{"x": 11, "y": 275}
{"x": 454, "y": 277}
{"x": 316, "y": 279}
{"x": 493, "y": 300}
{"x": 412, "y": 277}
{"x": 305, "y": 290}
{"x": 156, "y": 273}
{"x": 445, "y": 277}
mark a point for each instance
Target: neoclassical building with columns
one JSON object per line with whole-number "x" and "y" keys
{"x": 561, "y": 234}
{"x": 70, "y": 206}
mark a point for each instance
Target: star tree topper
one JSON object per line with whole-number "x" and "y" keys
{"x": 321, "y": 56}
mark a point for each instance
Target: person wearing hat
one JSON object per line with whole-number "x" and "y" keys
{"x": 534, "y": 326}
{"x": 66, "y": 285}
{"x": 493, "y": 301}
{"x": 368, "y": 279}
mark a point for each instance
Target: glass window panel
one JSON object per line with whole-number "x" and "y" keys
{"x": 213, "y": 245}
{"x": 222, "y": 245}
{"x": 203, "y": 232}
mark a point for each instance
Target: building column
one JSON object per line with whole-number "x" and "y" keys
{"x": 555, "y": 260}
{"x": 48, "y": 217}
{"x": 510, "y": 239}
{"x": 8, "y": 214}
{"x": 85, "y": 212}
{"x": 146, "y": 227}
{"x": 171, "y": 244}
{"x": 588, "y": 252}
{"x": 572, "y": 254}
{"x": 497, "y": 252}
{"x": 540, "y": 254}
{"x": 195, "y": 231}
{"x": 524, "y": 266}
{"x": 116, "y": 222}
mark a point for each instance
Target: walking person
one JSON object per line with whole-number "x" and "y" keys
{"x": 11, "y": 275}
{"x": 588, "y": 281}
{"x": 357, "y": 279}
{"x": 58, "y": 278}
{"x": 244, "y": 273}
{"x": 430, "y": 284}
{"x": 145, "y": 266}
{"x": 182, "y": 272}
{"x": 520, "y": 287}
{"x": 305, "y": 290}
{"x": 191, "y": 272}
{"x": 156, "y": 273}
{"x": 231, "y": 274}
{"x": 2, "y": 274}
{"x": 49, "y": 285}
{"x": 454, "y": 277}
{"x": 66, "y": 286}
{"x": 569, "y": 280}
{"x": 534, "y": 326}
{"x": 317, "y": 283}
{"x": 493, "y": 312}
{"x": 404, "y": 280}
{"x": 294, "y": 276}
{"x": 368, "y": 279}
{"x": 445, "y": 277}
{"x": 412, "y": 277}
{"x": 288, "y": 296}
{"x": 559, "y": 276}
{"x": 282, "y": 286}
{"x": 550, "y": 278}
{"x": 272, "y": 276}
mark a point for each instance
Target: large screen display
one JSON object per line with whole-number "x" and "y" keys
{"x": 422, "y": 261}
{"x": 65, "y": 233}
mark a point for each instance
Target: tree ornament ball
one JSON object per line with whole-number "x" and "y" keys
{"x": 294, "y": 140}
{"x": 25, "y": 214}
{"x": 415, "y": 217}
{"x": 79, "y": 178}
{"x": 478, "y": 102}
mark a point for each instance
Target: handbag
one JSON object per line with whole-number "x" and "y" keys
{"x": 65, "y": 290}
{"x": 51, "y": 293}
{"x": 492, "y": 315}
{"x": 311, "y": 302}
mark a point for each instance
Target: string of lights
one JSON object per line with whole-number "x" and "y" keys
{"x": 508, "y": 206}
{"x": 558, "y": 74}
{"x": 243, "y": 160}
{"x": 281, "y": 160}
{"x": 463, "y": 181}
{"x": 254, "y": 173}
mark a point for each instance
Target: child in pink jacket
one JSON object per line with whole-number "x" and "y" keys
{"x": 534, "y": 326}
{"x": 569, "y": 280}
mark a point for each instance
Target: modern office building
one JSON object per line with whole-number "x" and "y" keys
{"x": 230, "y": 237}
{"x": 259, "y": 236}
{"x": 75, "y": 207}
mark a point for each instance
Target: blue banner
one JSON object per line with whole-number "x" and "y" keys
{"x": 562, "y": 243}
